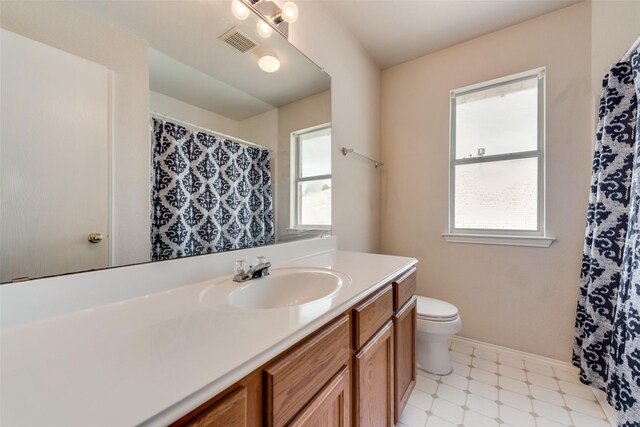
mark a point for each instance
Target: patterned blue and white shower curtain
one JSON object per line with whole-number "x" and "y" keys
{"x": 607, "y": 344}
{"x": 208, "y": 194}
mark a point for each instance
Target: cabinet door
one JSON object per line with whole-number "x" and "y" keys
{"x": 330, "y": 407}
{"x": 404, "y": 326}
{"x": 373, "y": 380}
{"x": 231, "y": 410}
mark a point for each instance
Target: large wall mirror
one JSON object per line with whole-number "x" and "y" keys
{"x": 138, "y": 131}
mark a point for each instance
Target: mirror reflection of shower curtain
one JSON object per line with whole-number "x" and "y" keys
{"x": 607, "y": 342}
{"x": 208, "y": 194}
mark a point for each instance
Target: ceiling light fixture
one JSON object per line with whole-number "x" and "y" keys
{"x": 289, "y": 12}
{"x": 264, "y": 29}
{"x": 269, "y": 64}
{"x": 240, "y": 10}
{"x": 272, "y": 15}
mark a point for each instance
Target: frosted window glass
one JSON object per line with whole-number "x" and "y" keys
{"x": 497, "y": 120}
{"x": 315, "y": 202}
{"x": 500, "y": 195}
{"x": 315, "y": 153}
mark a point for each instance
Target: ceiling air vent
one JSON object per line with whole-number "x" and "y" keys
{"x": 238, "y": 40}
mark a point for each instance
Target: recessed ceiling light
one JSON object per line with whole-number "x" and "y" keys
{"x": 269, "y": 64}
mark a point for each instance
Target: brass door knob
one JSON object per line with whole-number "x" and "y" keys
{"x": 95, "y": 237}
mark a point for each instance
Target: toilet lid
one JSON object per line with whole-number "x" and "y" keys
{"x": 434, "y": 309}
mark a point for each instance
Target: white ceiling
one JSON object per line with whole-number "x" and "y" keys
{"x": 180, "y": 81}
{"x": 395, "y": 31}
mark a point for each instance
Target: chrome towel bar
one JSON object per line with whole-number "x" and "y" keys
{"x": 346, "y": 151}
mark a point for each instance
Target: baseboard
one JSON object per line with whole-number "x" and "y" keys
{"x": 517, "y": 353}
{"x": 609, "y": 411}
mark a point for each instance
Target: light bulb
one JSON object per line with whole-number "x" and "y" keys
{"x": 289, "y": 12}
{"x": 264, "y": 29}
{"x": 269, "y": 64}
{"x": 240, "y": 10}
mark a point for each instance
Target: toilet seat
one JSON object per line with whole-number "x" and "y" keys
{"x": 435, "y": 310}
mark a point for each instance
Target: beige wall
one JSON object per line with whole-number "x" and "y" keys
{"x": 305, "y": 113}
{"x": 180, "y": 110}
{"x": 261, "y": 129}
{"x": 58, "y": 25}
{"x": 355, "y": 110}
{"x": 615, "y": 26}
{"x": 519, "y": 297}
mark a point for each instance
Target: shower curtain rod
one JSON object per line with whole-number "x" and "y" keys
{"x": 215, "y": 133}
{"x": 632, "y": 49}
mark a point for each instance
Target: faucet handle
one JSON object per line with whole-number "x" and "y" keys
{"x": 242, "y": 267}
{"x": 261, "y": 259}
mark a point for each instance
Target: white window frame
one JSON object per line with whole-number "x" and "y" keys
{"x": 500, "y": 236}
{"x": 296, "y": 163}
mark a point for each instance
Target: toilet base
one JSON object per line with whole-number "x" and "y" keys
{"x": 433, "y": 353}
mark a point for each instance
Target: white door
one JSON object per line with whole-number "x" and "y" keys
{"x": 54, "y": 160}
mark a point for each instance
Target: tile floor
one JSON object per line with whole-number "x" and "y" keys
{"x": 489, "y": 388}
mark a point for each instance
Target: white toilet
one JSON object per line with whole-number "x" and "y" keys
{"x": 437, "y": 322}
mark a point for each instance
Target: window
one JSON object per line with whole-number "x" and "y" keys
{"x": 311, "y": 183}
{"x": 497, "y": 158}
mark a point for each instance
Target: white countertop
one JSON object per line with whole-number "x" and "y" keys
{"x": 153, "y": 358}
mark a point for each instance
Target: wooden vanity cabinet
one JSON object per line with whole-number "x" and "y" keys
{"x": 358, "y": 370}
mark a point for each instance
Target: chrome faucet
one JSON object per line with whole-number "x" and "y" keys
{"x": 245, "y": 272}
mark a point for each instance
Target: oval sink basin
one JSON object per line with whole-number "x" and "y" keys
{"x": 284, "y": 287}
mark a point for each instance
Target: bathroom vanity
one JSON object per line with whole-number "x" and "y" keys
{"x": 165, "y": 343}
{"x": 359, "y": 367}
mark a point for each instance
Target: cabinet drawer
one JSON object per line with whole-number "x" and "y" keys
{"x": 292, "y": 381}
{"x": 369, "y": 316}
{"x": 404, "y": 288}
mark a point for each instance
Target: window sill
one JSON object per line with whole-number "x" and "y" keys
{"x": 307, "y": 230}
{"x": 482, "y": 239}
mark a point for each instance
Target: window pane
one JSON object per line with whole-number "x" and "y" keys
{"x": 315, "y": 153}
{"x": 315, "y": 202}
{"x": 497, "y": 195}
{"x": 497, "y": 120}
